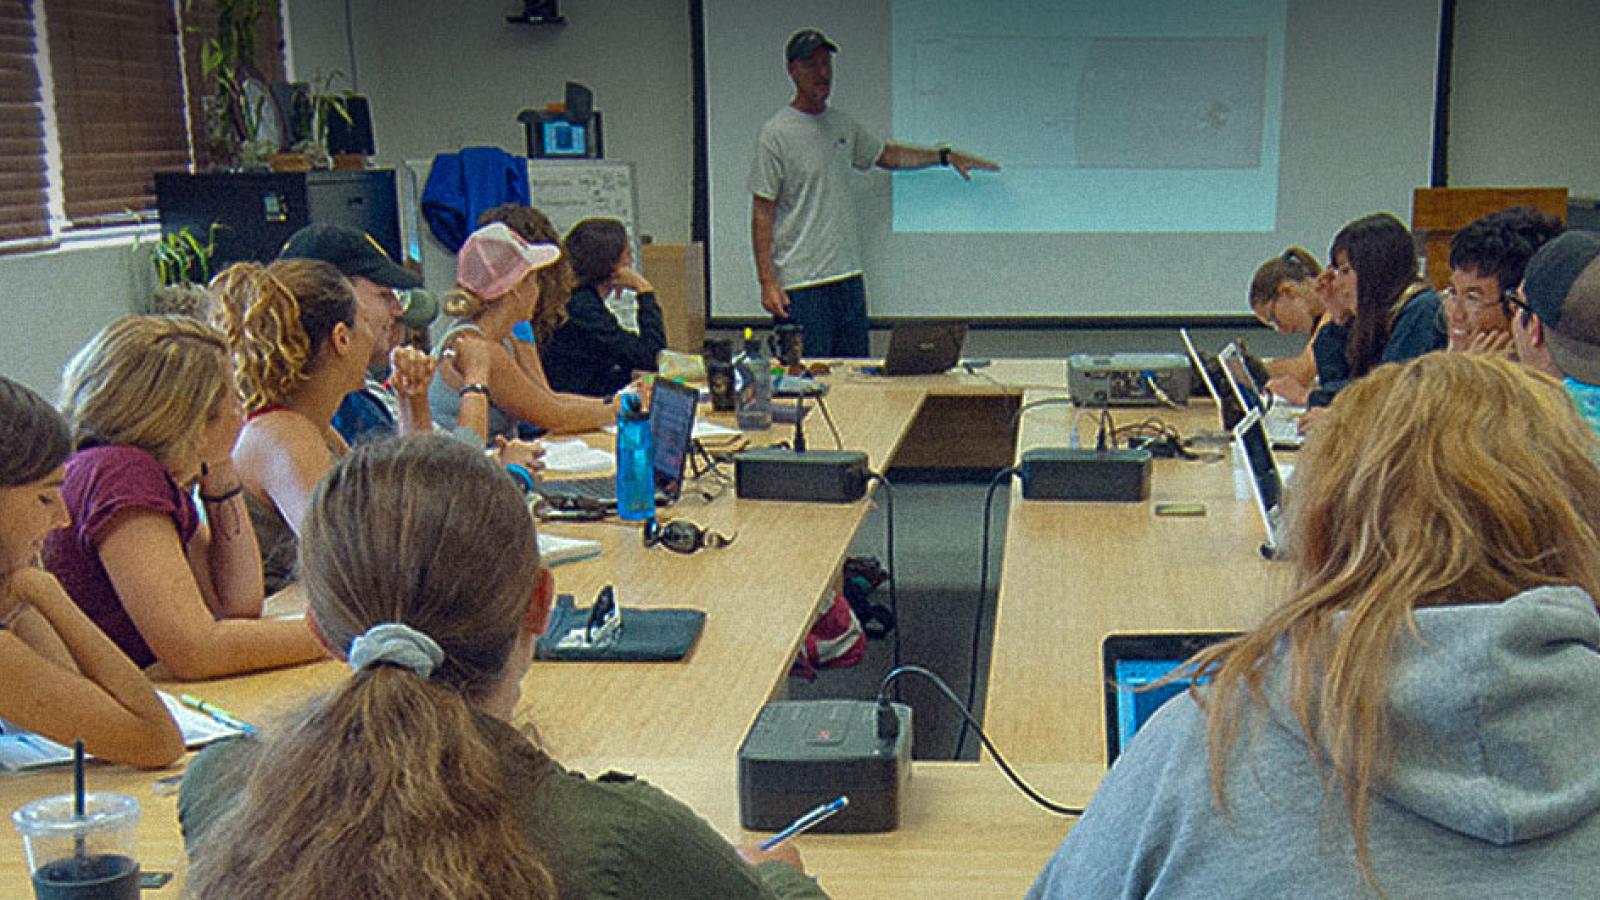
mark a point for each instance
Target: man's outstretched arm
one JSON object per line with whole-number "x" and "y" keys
{"x": 906, "y": 156}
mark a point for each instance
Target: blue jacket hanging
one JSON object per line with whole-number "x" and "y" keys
{"x": 462, "y": 185}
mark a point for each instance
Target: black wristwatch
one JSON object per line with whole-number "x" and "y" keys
{"x": 474, "y": 388}
{"x": 944, "y": 156}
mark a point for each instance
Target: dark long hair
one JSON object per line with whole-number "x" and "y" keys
{"x": 33, "y": 437}
{"x": 595, "y": 246}
{"x": 1381, "y": 251}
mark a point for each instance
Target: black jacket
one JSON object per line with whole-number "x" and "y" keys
{"x": 592, "y": 354}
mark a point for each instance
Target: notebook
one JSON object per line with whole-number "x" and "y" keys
{"x": 672, "y": 412}
{"x": 922, "y": 348}
{"x": 21, "y": 750}
{"x": 1280, "y": 419}
{"x": 1128, "y": 662}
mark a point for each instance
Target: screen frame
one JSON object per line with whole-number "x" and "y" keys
{"x": 1153, "y": 646}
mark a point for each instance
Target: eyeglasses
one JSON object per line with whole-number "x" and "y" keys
{"x": 1515, "y": 297}
{"x": 605, "y": 618}
{"x": 1472, "y": 302}
{"x": 1272, "y": 315}
{"x": 682, "y": 536}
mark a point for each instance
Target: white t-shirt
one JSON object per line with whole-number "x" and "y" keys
{"x": 803, "y": 164}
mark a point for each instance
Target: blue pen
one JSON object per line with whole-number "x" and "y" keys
{"x": 806, "y": 822}
{"x": 217, "y": 713}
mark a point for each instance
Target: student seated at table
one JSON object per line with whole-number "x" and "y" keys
{"x": 422, "y": 571}
{"x": 556, "y": 283}
{"x": 1487, "y": 260}
{"x": 299, "y": 346}
{"x": 1418, "y": 718}
{"x": 1378, "y": 310}
{"x": 66, "y": 679}
{"x": 497, "y": 286}
{"x": 592, "y": 353}
{"x": 154, "y": 413}
{"x": 1283, "y": 295}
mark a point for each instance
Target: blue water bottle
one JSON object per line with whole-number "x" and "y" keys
{"x": 636, "y": 484}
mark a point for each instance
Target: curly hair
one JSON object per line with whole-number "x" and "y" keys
{"x": 556, "y": 281}
{"x": 277, "y": 318}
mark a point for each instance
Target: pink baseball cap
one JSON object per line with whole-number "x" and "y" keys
{"x": 495, "y": 258}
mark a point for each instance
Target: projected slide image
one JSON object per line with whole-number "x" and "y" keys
{"x": 1172, "y": 103}
{"x": 1145, "y": 116}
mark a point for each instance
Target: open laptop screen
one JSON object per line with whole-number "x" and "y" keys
{"x": 1132, "y": 662}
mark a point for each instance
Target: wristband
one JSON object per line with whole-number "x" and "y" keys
{"x": 944, "y": 156}
{"x": 474, "y": 388}
{"x": 223, "y": 497}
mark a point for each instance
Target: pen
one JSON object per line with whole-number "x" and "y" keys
{"x": 217, "y": 713}
{"x": 806, "y": 822}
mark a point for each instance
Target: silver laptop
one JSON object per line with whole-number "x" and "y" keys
{"x": 1266, "y": 482}
{"x": 1227, "y": 409}
{"x": 1282, "y": 420}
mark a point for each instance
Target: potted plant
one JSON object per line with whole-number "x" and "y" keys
{"x": 243, "y": 126}
{"x": 311, "y": 118}
{"x": 183, "y": 268}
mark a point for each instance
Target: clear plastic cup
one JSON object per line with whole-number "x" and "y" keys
{"x": 93, "y": 857}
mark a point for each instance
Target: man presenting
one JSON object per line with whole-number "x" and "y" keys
{"x": 808, "y": 257}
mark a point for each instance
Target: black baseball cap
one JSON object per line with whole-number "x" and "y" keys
{"x": 352, "y": 251}
{"x": 1562, "y": 287}
{"x": 804, "y": 43}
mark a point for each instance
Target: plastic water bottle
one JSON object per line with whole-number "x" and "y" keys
{"x": 752, "y": 379}
{"x": 636, "y": 484}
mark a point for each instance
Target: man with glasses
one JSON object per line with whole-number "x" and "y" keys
{"x": 1557, "y": 324}
{"x": 1487, "y": 259}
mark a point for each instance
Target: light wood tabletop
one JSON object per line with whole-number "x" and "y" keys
{"x": 1075, "y": 572}
{"x": 965, "y": 831}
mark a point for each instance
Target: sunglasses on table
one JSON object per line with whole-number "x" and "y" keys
{"x": 682, "y": 536}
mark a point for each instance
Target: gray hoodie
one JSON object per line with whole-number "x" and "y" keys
{"x": 1494, "y": 792}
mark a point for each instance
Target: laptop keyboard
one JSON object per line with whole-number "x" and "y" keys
{"x": 602, "y": 488}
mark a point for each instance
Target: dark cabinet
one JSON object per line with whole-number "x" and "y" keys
{"x": 257, "y": 211}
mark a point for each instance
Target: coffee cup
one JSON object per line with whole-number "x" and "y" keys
{"x": 88, "y": 857}
{"x": 788, "y": 344}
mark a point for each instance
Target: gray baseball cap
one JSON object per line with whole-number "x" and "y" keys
{"x": 1562, "y": 287}
{"x": 804, "y": 43}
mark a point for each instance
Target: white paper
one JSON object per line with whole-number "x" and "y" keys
{"x": 555, "y": 549}
{"x": 573, "y": 455}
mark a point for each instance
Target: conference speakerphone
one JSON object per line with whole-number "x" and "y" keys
{"x": 800, "y": 754}
{"x": 1128, "y": 379}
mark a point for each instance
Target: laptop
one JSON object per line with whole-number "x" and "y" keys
{"x": 672, "y": 412}
{"x": 1210, "y": 373}
{"x": 1266, "y": 482}
{"x": 1129, "y": 662}
{"x": 1282, "y": 420}
{"x": 922, "y": 348}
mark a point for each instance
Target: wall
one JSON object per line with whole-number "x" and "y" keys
{"x": 1524, "y": 103}
{"x": 446, "y": 74}
{"x": 442, "y": 76}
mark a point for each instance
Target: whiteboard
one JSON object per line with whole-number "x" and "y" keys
{"x": 566, "y": 190}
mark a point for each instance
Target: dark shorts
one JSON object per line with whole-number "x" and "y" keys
{"x": 834, "y": 316}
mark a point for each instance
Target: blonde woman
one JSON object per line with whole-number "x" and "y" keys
{"x": 497, "y": 286}
{"x": 154, "y": 416}
{"x": 299, "y": 346}
{"x": 422, "y": 571}
{"x": 1419, "y": 718}
{"x": 79, "y": 685}
{"x": 1284, "y": 297}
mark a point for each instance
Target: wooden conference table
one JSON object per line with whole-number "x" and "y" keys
{"x": 1072, "y": 572}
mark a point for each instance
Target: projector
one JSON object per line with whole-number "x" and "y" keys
{"x": 1128, "y": 379}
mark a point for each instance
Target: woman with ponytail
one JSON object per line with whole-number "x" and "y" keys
{"x": 154, "y": 415}
{"x": 299, "y": 347}
{"x": 1284, "y": 297}
{"x": 498, "y": 286}
{"x": 79, "y": 685}
{"x": 1418, "y": 718}
{"x": 421, "y": 568}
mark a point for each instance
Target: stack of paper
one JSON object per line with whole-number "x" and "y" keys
{"x": 555, "y": 550}
{"x": 20, "y": 749}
